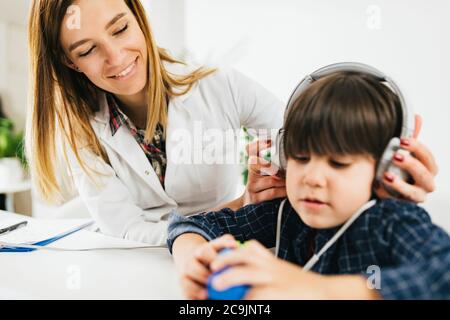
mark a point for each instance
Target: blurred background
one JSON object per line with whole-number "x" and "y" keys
{"x": 276, "y": 43}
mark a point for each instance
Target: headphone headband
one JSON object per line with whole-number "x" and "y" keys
{"x": 407, "y": 114}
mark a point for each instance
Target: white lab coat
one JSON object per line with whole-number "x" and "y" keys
{"x": 128, "y": 200}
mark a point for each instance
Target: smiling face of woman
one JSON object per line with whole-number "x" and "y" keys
{"x": 108, "y": 47}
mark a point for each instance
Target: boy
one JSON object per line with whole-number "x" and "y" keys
{"x": 335, "y": 134}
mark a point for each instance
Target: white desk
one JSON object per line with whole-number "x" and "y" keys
{"x": 117, "y": 274}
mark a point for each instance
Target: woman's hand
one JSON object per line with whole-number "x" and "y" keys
{"x": 263, "y": 184}
{"x": 194, "y": 270}
{"x": 422, "y": 168}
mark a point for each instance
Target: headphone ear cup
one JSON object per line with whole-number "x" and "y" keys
{"x": 277, "y": 153}
{"x": 386, "y": 165}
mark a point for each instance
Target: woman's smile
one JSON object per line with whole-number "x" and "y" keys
{"x": 127, "y": 73}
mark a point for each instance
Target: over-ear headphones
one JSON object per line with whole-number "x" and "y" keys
{"x": 385, "y": 163}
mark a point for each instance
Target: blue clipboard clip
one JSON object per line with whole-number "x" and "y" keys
{"x": 46, "y": 241}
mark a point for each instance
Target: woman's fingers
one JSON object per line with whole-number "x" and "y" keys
{"x": 417, "y": 125}
{"x": 423, "y": 178}
{"x": 264, "y": 183}
{"x": 260, "y": 166}
{"x": 270, "y": 194}
{"x": 408, "y": 191}
{"x": 422, "y": 153}
{"x": 381, "y": 191}
{"x": 255, "y": 147}
{"x": 256, "y": 163}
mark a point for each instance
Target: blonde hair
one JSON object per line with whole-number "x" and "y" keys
{"x": 63, "y": 101}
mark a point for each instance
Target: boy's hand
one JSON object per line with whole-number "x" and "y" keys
{"x": 273, "y": 278}
{"x": 263, "y": 184}
{"x": 268, "y": 276}
{"x": 194, "y": 272}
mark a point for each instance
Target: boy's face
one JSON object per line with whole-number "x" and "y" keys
{"x": 326, "y": 191}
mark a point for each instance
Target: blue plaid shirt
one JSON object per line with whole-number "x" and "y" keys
{"x": 412, "y": 253}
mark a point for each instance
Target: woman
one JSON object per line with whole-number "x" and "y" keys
{"x": 113, "y": 103}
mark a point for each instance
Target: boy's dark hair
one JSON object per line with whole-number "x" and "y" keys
{"x": 343, "y": 113}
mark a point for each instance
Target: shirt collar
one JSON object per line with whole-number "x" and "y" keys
{"x": 116, "y": 117}
{"x": 301, "y": 232}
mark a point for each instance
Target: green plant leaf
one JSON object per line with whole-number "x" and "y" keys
{"x": 11, "y": 144}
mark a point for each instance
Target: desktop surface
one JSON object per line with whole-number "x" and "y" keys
{"x": 109, "y": 274}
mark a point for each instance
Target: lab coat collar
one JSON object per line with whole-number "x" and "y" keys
{"x": 128, "y": 148}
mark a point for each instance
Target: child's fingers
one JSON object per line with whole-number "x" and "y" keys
{"x": 260, "y": 293}
{"x": 225, "y": 241}
{"x": 241, "y": 275}
{"x": 208, "y": 252}
{"x": 205, "y": 254}
{"x": 192, "y": 290}
{"x": 253, "y": 253}
{"x": 197, "y": 271}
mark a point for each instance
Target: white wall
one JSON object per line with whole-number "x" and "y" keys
{"x": 14, "y": 73}
{"x": 167, "y": 22}
{"x": 14, "y": 59}
{"x": 278, "y": 42}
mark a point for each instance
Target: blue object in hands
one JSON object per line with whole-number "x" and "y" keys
{"x": 231, "y": 293}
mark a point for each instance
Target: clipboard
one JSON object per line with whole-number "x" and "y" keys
{"x": 46, "y": 241}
